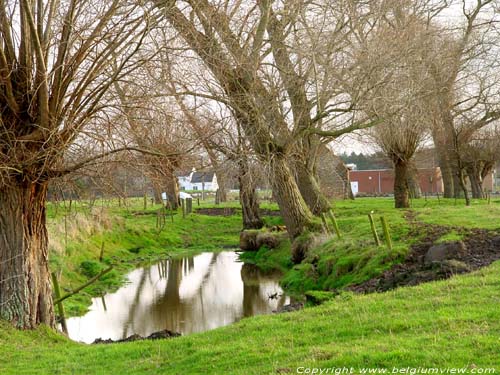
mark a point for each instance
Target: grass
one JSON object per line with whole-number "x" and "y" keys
{"x": 130, "y": 238}
{"x": 451, "y": 236}
{"x": 452, "y": 323}
{"x": 354, "y": 257}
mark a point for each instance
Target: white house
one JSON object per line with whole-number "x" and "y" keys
{"x": 185, "y": 182}
{"x": 203, "y": 181}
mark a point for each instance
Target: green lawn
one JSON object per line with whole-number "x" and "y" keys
{"x": 451, "y": 323}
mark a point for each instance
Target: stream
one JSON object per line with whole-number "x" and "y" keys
{"x": 185, "y": 295}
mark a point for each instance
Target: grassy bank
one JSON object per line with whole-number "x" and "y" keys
{"x": 355, "y": 257}
{"x": 130, "y": 237}
{"x": 452, "y": 323}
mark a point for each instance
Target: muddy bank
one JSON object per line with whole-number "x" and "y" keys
{"x": 165, "y": 334}
{"x": 428, "y": 260}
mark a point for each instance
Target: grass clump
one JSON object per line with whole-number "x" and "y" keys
{"x": 451, "y": 236}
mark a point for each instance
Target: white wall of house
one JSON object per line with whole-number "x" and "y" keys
{"x": 185, "y": 184}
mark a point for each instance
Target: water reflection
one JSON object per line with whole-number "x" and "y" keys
{"x": 183, "y": 295}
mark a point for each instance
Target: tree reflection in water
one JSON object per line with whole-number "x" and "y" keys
{"x": 186, "y": 295}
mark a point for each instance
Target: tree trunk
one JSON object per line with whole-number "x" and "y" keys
{"x": 25, "y": 290}
{"x": 294, "y": 210}
{"x": 461, "y": 179}
{"x": 448, "y": 181}
{"x": 157, "y": 192}
{"x": 458, "y": 191}
{"x": 401, "y": 190}
{"x": 476, "y": 182}
{"x": 172, "y": 190}
{"x": 310, "y": 189}
{"x": 248, "y": 198}
{"x": 443, "y": 153}
{"x": 221, "y": 181}
{"x": 414, "y": 183}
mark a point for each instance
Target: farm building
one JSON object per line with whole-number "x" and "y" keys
{"x": 202, "y": 180}
{"x": 381, "y": 181}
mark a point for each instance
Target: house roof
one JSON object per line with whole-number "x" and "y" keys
{"x": 200, "y": 177}
{"x": 184, "y": 173}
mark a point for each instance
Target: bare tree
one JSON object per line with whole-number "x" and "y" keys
{"x": 396, "y": 55}
{"x": 245, "y": 48}
{"x": 465, "y": 79}
{"x": 55, "y": 77}
{"x": 479, "y": 157}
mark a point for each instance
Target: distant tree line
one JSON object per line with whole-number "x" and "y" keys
{"x": 376, "y": 160}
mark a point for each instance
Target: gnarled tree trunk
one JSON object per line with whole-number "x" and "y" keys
{"x": 310, "y": 189}
{"x": 157, "y": 190}
{"x": 476, "y": 182}
{"x": 443, "y": 154}
{"x": 248, "y": 198}
{"x": 401, "y": 190}
{"x": 172, "y": 191}
{"x": 25, "y": 290}
{"x": 413, "y": 182}
{"x": 458, "y": 191}
{"x": 294, "y": 210}
{"x": 221, "y": 181}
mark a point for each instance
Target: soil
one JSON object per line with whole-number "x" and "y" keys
{"x": 216, "y": 211}
{"x": 482, "y": 247}
{"x": 228, "y": 211}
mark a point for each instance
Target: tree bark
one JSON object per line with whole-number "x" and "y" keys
{"x": 294, "y": 210}
{"x": 461, "y": 179}
{"x": 458, "y": 191}
{"x": 445, "y": 166}
{"x": 221, "y": 181}
{"x": 25, "y": 290}
{"x": 310, "y": 189}
{"x": 172, "y": 190}
{"x": 401, "y": 190}
{"x": 476, "y": 182}
{"x": 414, "y": 183}
{"x": 248, "y": 198}
{"x": 157, "y": 190}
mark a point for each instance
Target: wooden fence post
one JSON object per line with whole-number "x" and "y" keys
{"x": 387, "y": 236}
{"x": 101, "y": 254}
{"x": 374, "y": 230}
{"x": 60, "y": 307}
{"x": 325, "y": 224}
{"x": 335, "y": 224}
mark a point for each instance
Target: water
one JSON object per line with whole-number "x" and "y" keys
{"x": 187, "y": 295}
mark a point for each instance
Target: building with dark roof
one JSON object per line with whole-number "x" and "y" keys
{"x": 199, "y": 180}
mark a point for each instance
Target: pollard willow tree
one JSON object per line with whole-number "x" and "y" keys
{"x": 466, "y": 80}
{"x": 244, "y": 45}
{"x": 55, "y": 74}
{"x": 396, "y": 55}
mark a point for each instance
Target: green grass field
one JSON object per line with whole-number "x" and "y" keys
{"x": 448, "y": 324}
{"x": 453, "y": 323}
